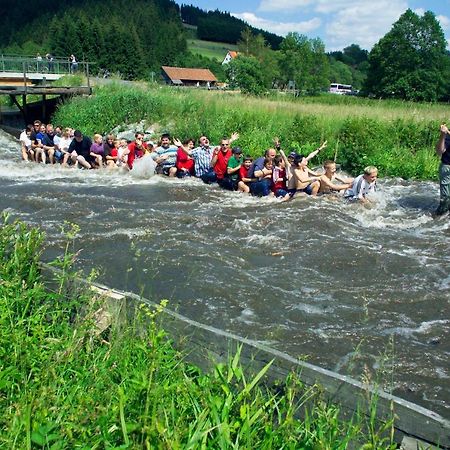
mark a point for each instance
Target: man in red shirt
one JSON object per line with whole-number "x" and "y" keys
{"x": 220, "y": 158}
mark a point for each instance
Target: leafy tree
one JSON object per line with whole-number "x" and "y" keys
{"x": 353, "y": 55}
{"x": 304, "y": 61}
{"x": 340, "y": 72}
{"x": 410, "y": 61}
{"x": 256, "y": 46}
{"x": 247, "y": 73}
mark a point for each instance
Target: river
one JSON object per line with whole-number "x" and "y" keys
{"x": 355, "y": 290}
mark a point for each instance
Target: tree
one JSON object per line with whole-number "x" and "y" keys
{"x": 304, "y": 61}
{"x": 247, "y": 73}
{"x": 410, "y": 61}
{"x": 256, "y": 46}
{"x": 340, "y": 72}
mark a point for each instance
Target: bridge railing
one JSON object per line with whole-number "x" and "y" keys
{"x": 29, "y": 65}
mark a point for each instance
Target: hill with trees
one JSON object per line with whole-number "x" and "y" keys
{"x": 116, "y": 34}
{"x": 136, "y": 37}
{"x": 220, "y": 26}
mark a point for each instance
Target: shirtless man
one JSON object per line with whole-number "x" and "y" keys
{"x": 327, "y": 184}
{"x": 306, "y": 181}
{"x": 291, "y": 166}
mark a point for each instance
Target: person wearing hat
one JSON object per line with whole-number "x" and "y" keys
{"x": 234, "y": 164}
{"x": 80, "y": 150}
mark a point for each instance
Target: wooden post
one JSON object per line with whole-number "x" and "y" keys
{"x": 87, "y": 75}
{"x": 24, "y": 76}
{"x": 24, "y": 109}
{"x": 44, "y": 107}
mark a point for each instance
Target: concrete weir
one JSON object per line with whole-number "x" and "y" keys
{"x": 415, "y": 427}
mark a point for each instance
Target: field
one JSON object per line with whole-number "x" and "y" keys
{"x": 397, "y": 137}
{"x": 209, "y": 49}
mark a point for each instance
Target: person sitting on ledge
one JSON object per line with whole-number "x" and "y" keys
{"x": 80, "y": 150}
{"x": 97, "y": 151}
{"x": 202, "y": 156}
{"x": 327, "y": 180}
{"x": 363, "y": 185}
{"x": 165, "y": 156}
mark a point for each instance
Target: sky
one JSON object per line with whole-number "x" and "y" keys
{"x": 338, "y": 23}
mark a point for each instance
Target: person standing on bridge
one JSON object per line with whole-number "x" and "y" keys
{"x": 49, "y": 58}
{"x": 443, "y": 151}
{"x": 73, "y": 63}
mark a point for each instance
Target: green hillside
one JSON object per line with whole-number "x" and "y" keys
{"x": 209, "y": 49}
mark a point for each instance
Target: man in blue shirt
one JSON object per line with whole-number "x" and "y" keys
{"x": 202, "y": 156}
{"x": 261, "y": 188}
{"x": 165, "y": 157}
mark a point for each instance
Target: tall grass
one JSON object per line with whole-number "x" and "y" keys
{"x": 66, "y": 384}
{"x": 397, "y": 137}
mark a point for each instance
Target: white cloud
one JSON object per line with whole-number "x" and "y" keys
{"x": 361, "y": 23}
{"x": 345, "y": 22}
{"x": 280, "y": 28}
{"x": 283, "y": 5}
{"x": 320, "y": 6}
{"x": 444, "y": 21}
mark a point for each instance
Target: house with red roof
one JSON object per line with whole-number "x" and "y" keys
{"x": 183, "y": 76}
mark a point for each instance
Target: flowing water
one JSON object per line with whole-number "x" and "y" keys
{"x": 364, "y": 292}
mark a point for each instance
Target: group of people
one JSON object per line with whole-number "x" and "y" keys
{"x": 273, "y": 174}
{"x": 49, "y": 62}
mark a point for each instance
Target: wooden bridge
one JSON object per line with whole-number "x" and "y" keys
{"x": 25, "y": 76}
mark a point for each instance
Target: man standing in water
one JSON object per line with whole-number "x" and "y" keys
{"x": 443, "y": 151}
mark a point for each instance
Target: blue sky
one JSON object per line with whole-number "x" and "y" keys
{"x": 338, "y": 23}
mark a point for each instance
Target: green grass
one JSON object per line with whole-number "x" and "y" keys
{"x": 397, "y": 137}
{"x": 209, "y": 49}
{"x": 64, "y": 386}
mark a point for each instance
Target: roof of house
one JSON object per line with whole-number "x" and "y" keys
{"x": 183, "y": 73}
{"x": 232, "y": 53}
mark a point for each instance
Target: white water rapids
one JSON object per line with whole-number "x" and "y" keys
{"x": 349, "y": 288}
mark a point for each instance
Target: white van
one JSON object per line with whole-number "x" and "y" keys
{"x": 341, "y": 89}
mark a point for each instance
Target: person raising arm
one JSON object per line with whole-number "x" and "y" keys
{"x": 443, "y": 151}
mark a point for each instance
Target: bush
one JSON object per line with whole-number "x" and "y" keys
{"x": 360, "y": 132}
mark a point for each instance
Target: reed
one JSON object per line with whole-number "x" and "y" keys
{"x": 63, "y": 386}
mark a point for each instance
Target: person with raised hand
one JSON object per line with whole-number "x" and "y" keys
{"x": 443, "y": 151}
{"x": 203, "y": 157}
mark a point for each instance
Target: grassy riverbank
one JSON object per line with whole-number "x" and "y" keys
{"x": 398, "y": 137}
{"x": 63, "y": 385}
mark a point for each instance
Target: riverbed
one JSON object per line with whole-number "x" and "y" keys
{"x": 362, "y": 291}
